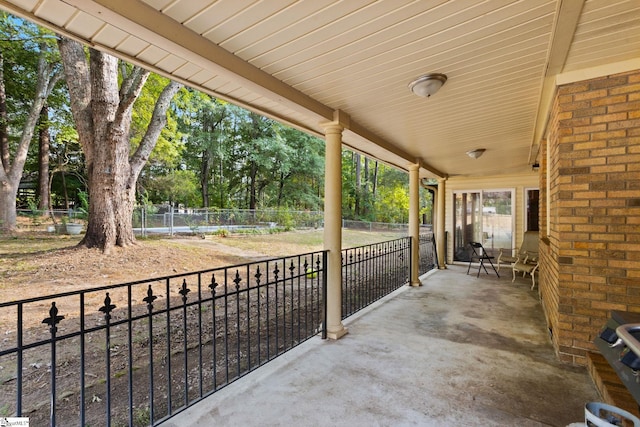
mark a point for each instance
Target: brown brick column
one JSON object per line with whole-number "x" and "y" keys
{"x": 591, "y": 260}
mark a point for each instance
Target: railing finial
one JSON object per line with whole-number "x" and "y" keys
{"x": 53, "y": 318}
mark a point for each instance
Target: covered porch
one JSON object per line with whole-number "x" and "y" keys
{"x": 458, "y": 350}
{"x": 549, "y": 89}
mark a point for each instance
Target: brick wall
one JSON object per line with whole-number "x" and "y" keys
{"x": 548, "y": 276}
{"x": 592, "y": 260}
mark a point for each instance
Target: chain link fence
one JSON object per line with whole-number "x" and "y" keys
{"x": 171, "y": 220}
{"x": 168, "y": 220}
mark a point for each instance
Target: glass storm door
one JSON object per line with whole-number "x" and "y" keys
{"x": 485, "y": 217}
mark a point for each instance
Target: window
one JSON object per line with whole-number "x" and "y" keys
{"x": 484, "y": 216}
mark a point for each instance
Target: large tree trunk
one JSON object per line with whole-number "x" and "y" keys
{"x": 280, "y": 190}
{"x": 205, "y": 172}
{"x": 375, "y": 181}
{"x": 43, "y": 160}
{"x": 110, "y": 204}
{"x": 4, "y": 120}
{"x": 8, "y": 193}
{"x": 366, "y": 194}
{"x": 65, "y": 192}
{"x": 253, "y": 174}
{"x": 102, "y": 112}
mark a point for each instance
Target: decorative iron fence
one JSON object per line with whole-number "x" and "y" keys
{"x": 428, "y": 254}
{"x": 372, "y": 271}
{"x": 138, "y": 353}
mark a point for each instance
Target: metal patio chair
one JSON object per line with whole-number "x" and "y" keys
{"x": 510, "y": 256}
{"x": 527, "y": 263}
{"x": 479, "y": 254}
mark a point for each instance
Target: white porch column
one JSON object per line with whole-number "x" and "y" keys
{"x": 414, "y": 222}
{"x": 333, "y": 229}
{"x": 440, "y": 246}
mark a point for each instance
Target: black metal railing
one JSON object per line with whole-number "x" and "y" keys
{"x": 138, "y": 353}
{"x": 372, "y": 271}
{"x": 428, "y": 254}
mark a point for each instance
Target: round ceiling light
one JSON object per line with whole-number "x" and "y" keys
{"x": 428, "y": 84}
{"x": 474, "y": 154}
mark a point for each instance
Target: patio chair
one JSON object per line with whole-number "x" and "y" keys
{"x": 526, "y": 264}
{"x": 529, "y": 244}
{"x": 480, "y": 255}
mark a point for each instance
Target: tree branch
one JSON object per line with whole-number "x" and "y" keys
{"x": 129, "y": 90}
{"x": 47, "y": 78}
{"x": 158, "y": 121}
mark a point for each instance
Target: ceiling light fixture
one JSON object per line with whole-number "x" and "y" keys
{"x": 428, "y": 84}
{"x": 474, "y": 154}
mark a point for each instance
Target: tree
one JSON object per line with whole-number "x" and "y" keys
{"x": 169, "y": 149}
{"x": 44, "y": 139}
{"x": 394, "y": 204}
{"x": 299, "y": 169}
{"x": 45, "y": 72}
{"x": 257, "y": 135}
{"x": 176, "y": 187}
{"x": 102, "y": 111}
{"x": 203, "y": 122}
{"x": 392, "y": 198}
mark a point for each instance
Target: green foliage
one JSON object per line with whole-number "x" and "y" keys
{"x": 34, "y": 213}
{"x": 222, "y": 232}
{"x": 21, "y": 45}
{"x": 83, "y": 210}
{"x": 299, "y": 170}
{"x": 427, "y": 211}
{"x": 211, "y": 153}
{"x": 141, "y": 417}
{"x": 394, "y": 204}
{"x": 207, "y": 134}
{"x": 382, "y": 194}
{"x": 285, "y": 219}
{"x": 244, "y": 160}
{"x": 180, "y": 186}
{"x": 5, "y": 410}
{"x": 169, "y": 147}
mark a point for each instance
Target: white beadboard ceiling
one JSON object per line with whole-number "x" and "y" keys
{"x": 303, "y": 61}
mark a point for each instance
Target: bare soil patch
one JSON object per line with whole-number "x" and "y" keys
{"x": 35, "y": 263}
{"x": 39, "y": 263}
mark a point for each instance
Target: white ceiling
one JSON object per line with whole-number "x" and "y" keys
{"x": 301, "y": 61}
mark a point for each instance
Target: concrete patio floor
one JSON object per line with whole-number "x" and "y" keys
{"x": 457, "y": 351}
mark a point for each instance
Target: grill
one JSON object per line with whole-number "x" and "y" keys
{"x": 619, "y": 343}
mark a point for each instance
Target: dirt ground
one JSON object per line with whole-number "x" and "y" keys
{"x": 36, "y": 263}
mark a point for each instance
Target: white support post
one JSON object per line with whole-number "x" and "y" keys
{"x": 440, "y": 241}
{"x": 414, "y": 223}
{"x": 333, "y": 229}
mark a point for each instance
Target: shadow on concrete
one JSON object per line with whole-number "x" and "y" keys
{"x": 457, "y": 351}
